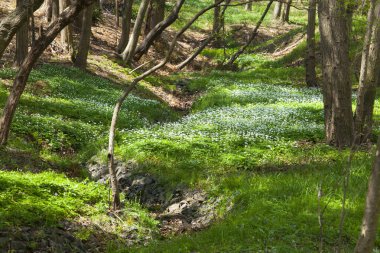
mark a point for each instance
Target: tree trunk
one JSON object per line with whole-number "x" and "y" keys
{"x": 129, "y": 51}
{"x": 48, "y": 9}
{"x": 216, "y": 20}
{"x": 66, "y": 33}
{"x": 369, "y": 77}
{"x": 251, "y": 37}
{"x": 248, "y": 6}
{"x": 157, "y": 30}
{"x": 54, "y": 10}
{"x": 84, "y": 42}
{"x": 155, "y": 14}
{"x": 11, "y": 23}
{"x": 334, "y": 21}
{"x": 368, "y": 232}
{"x": 277, "y": 11}
{"x": 22, "y": 39}
{"x": 22, "y": 76}
{"x": 286, "y": 11}
{"x": 310, "y": 63}
{"x": 127, "y": 90}
{"x": 125, "y": 25}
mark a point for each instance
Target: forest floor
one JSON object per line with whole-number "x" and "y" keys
{"x": 209, "y": 161}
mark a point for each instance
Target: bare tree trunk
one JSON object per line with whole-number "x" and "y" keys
{"x": 10, "y": 24}
{"x": 117, "y": 13}
{"x": 216, "y": 20}
{"x": 368, "y": 232}
{"x": 129, "y": 51}
{"x": 66, "y": 33}
{"x": 205, "y": 42}
{"x": 41, "y": 44}
{"x": 156, "y": 14}
{"x": 84, "y": 43}
{"x": 54, "y": 10}
{"x": 157, "y": 31}
{"x": 22, "y": 39}
{"x": 248, "y": 6}
{"x": 310, "y": 63}
{"x": 111, "y": 141}
{"x": 286, "y": 11}
{"x": 251, "y": 37}
{"x": 277, "y": 10}
{"x": 334, "y": 21}
{"x": 125, "y": 25}
{"x": 369, "y": 77}
{"x": 48, "y": 9}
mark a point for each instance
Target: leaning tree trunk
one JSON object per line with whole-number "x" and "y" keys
{"x": 253, "y": 35}
{"x": 132, "y": 44}
{"x": 66, "y": 33}
{"x": 369, "y": 75}
{"x": 334, "y": 21}
{"x": 117, "y": 108}
{"x": 368, "y": 232}
{"x": 310, "y": 63}
{"x": 286, "y": 11}
{"x": 157, "y": 31}
{"x": 41, "y": 44}
{"x": 125, "y": 25}
{"x": 155, "y": 14}
{"x": 84, "y": 42}
{"x": 22, "y": 40}
{"x": 277, "y": 10}
{"x": 11, "y": 23}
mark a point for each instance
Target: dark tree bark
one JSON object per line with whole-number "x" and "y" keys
{"x": 66, "y": 33}
{"x": 157, "y": 31}
{"x": 368, "y": 232}
{"x": 216, "y": 20}
{"x": 84, "y": 42}
{"x": 41, "y": 44}
{"x": 125, "y": 25}
{"x": 286, "y": 11}
{"x": 155, "y": 14}
{"x": 369, "y": 75}
{"x": 22, "y": 40}
{"x": 310, "y": 61}
{"x": 129, "y": 51}
{"x": 112, "y": 130}
{"x": 48, "y": 8}
{"x": 334, "y": 25}
{"x": 251, "y": 37}
{"x": 277, "y": 10}
{"x": 10, "y": 24}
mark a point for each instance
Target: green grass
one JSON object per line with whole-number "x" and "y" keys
{"x": 66, "y": 112}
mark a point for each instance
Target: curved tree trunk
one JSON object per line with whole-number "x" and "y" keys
{"x": 132, "y": 44}
{"x": 369, "y": 75}
{"x": 10, "y": 24}
{"x": 125, "y": 25}
{"x": 368, "y": 232}
{"x": 310, "y": 63}
{"x": 157, "y": 31}
{"x": 112, "y": 130}
{"x": 41, "y": 44}
{"x": 85, "y": 36}
{"x": 334, "y": 22}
